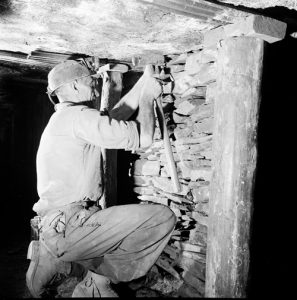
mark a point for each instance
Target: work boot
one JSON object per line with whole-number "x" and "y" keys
{"x": 94, "y": 286}
{"x": 45, "y": 270}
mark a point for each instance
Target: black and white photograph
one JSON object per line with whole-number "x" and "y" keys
{"x": 147, "y": 148}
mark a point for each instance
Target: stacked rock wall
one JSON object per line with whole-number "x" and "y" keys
{"x": 188, "y": 109}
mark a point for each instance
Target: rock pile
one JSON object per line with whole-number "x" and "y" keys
{"x": 188, "y": 108}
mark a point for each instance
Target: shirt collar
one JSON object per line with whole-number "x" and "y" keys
{"x": 62, "y": 105}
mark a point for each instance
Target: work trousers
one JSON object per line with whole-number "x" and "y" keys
{"x": 120, "y": 242}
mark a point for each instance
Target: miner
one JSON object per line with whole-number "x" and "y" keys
{"x": 77, "y": 238}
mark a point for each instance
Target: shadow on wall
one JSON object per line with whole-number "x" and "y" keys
{"x": 125, "y": 158}
{"x": 272, "y": 237}
{"x": 26, "y": 110}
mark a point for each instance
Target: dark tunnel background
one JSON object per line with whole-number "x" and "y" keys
{"x": 25, "y": 111}
{"x": 24, "y": 114}
{"x": 272, "y": 238}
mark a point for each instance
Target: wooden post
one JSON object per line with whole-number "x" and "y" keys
{"x": 234, "y": 161}
{"x": 111, "y": 94}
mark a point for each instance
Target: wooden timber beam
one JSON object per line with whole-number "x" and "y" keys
{"x": 111, "y": 94}
{"x": 236, "y": 110}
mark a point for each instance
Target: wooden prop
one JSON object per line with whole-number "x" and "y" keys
{"x": 111, "y": 94}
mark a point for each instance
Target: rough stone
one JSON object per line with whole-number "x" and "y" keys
{"x": 173, "y": 197}
{"x": 206, "y": 125}
{"x": 194, "y": 255}
{"x": 197, "y": 140}
{"x": 178, "y": 206}
{"x": 268, "y": 29}
{"x": 202, "y": 207}
{"x": 164, "y": 184}
{"x": 183, "y": 133}
{"x": 188, "y": 291}
{"x": 197, "y": 184}
{"x": 210, "y": 92}
{"x": 196, "y": 164}
{"x": 177, "y": 118}
{"x": 167, "y": 285}
{"x": 207, "y": 73}
{"x": 157, "y": 145}
{"x": 197, "y": 237}
{"x": 143, "y": 190}
{"x": 163, "y": 157}
{"x": 196, "y": 268}
{"x": 189, "y": 156}
{"x": 185, "y": 246}
{"x": 176, "y": 68}
{"x": 201, "y": 147}
{"x": 168, "y": 98}
{"x": 164, "y": 173}
{"x": 202, "y": 219}
{"x": 113, "y": 29}
{"x": 195, "y": 282}
{"x": 163, "y": 263}
{"x": 207, "y": 154}
{"x": 197, "y": 99}
{"x": 291, "y": 4}
{"x": 181, "y": 148}
{"x": 152, "y": 157}
{"x": 155, "y": 199}
{"x": 213, "y": 36}
{"x": 142, "y": 180}
{"x": 146, "y": 167}
{"x": 180, "y": 59}
{"x": 203, "y": 173}
{"x": 173, "y": 252}
{"x": 167, "y": 88}
{"x": 181, "y": 82}
{"x": 175, "y": 210}
{"x": 193, "y": 64}
{"x": 191, "y": 91}
{"x": 201, "y": 112}
{"x": 265, "y": 28}
{"x": 209, "y": 54}
{"x": 200, "y": 194}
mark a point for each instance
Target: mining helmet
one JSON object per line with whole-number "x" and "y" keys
{"x": 65, "y": 72}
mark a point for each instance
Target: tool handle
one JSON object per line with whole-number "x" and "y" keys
{"x": 167, "y": 145}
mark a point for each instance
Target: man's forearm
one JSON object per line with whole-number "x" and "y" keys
{"x": 125, "y": 108}
{"x": 122, "y": 111}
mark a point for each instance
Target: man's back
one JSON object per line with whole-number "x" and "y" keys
{"x": 68, "y": 168}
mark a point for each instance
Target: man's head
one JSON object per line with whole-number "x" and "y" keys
{"x": 71, "y": 81}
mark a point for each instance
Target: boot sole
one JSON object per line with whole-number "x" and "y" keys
{"x": 33, "y": 255}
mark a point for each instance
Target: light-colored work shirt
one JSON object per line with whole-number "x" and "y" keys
{"x": 68, "y": 159}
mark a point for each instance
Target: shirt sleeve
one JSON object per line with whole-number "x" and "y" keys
{"x": 104, "y": 131}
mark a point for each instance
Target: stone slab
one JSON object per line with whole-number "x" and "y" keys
{"x": 265, "y": 28}
{"x": 146, "y": 167}
{"x": 212, "y": 37}
{"x": 206, "y": 126}
{"x": 200, "y": 194}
